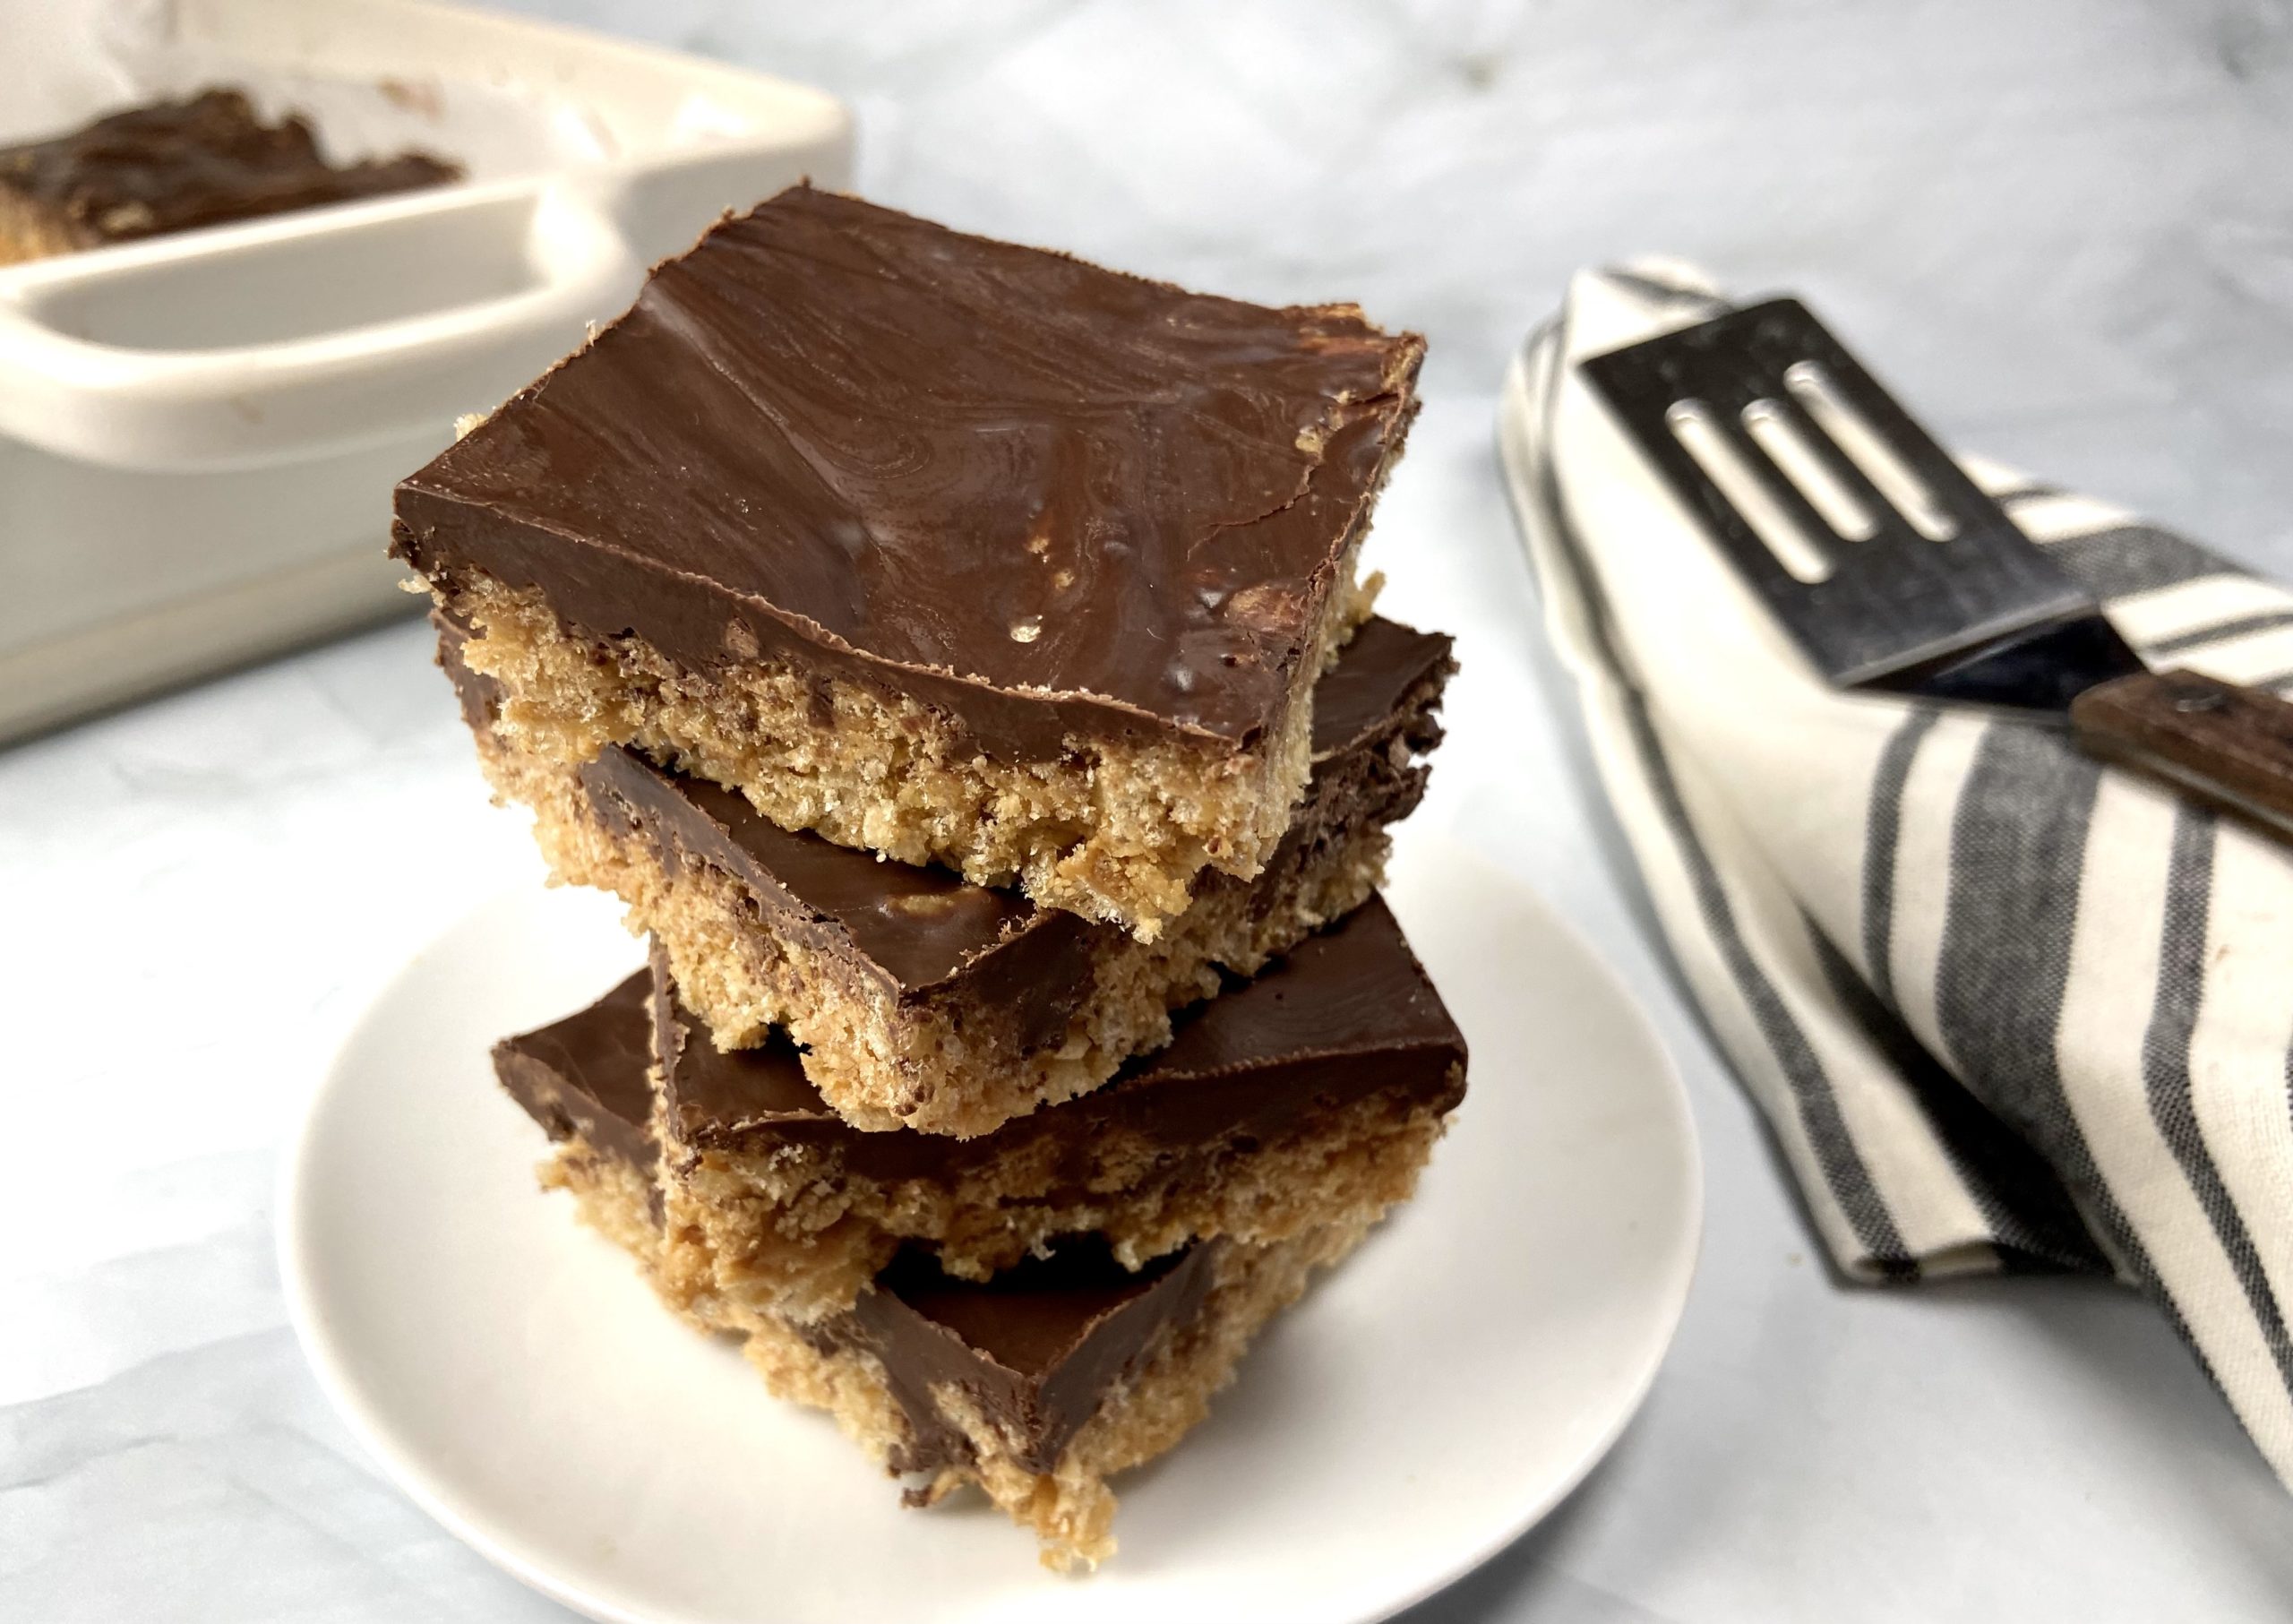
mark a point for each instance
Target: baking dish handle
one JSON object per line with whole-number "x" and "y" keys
{"x": 245, "y": 405}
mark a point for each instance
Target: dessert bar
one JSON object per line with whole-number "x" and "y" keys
{"x": 925, "y": 1001}
{"x": 1308, "y": 1097}
{"x": 174, "y": 165}
{"x": 941, "y": 547}
{"x": 1038, "y": 1384}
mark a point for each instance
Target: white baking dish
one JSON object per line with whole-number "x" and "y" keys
{"x": 199, "y": 435}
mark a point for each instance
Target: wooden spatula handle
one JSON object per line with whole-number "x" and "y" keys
{"x": 2227, "y": 746}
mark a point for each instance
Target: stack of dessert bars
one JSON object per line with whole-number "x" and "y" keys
{"x": 952, "y": 654}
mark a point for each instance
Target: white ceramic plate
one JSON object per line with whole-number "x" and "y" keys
{"x": 1421, "y": 1408}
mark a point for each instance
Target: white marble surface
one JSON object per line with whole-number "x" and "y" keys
{"x": 2064, "y": 226}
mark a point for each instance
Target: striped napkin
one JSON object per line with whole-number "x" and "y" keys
{"x": 2005, "y": 1010}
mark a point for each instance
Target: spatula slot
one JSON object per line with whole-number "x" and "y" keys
{"x": 1822, "y": 399}
{"x": 1778, "y": 434}
{"x": 1697, "y": 427}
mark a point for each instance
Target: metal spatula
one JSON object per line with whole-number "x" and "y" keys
{"x": 1893, "y": 569}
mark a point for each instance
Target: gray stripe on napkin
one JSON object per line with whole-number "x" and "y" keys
{"x": 2128, "y": 558}
{"x": 1668, "y": 293}
{"x": 2220, "y": 632}
{"x": 2165, "y": 1069}
{"x": 1845, "y": 1173}
{"x": 2018, "y": 848}
{"x": 1882, "y": 827}
{"x": 2032, "y": 1220}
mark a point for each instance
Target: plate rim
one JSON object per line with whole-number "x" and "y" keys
{"x": 407, "y": 1471}
{"x": 1409, "y": 851}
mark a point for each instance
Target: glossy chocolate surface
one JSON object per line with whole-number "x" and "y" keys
{"x": 1050, "y": 500}
{"x": 202, "y": 161}
{"x": 1347, "y": 1013}
{"x": 590, "y": 1074}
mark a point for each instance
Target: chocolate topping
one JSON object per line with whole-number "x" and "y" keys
{"x": 926, "y": 933}
{"x": 174, "y": 165}
{"x": 1348, "y": 1013}
{"x": 590, "y": 1074}
{"x": 1050, "y": 500}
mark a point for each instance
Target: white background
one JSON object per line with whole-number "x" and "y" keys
{"x": 2064, "y": 229}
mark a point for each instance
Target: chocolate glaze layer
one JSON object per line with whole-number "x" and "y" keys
{"x": 1037, "y": 1349}
{"x": 202, "y": 161}
{"x": 1347, "y": 1014}
{"x": 924, "y": 935}
{"x": 590, "y": 1074}
{"x": 1052, "y": 501}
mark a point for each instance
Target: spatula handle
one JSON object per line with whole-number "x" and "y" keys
{"x": 2228, "y": 747}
